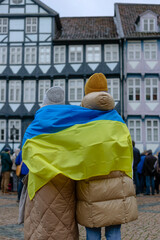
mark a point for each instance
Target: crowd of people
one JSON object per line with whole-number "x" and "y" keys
{"x": 10, "y": 182}
{"x": 146, "y": 171}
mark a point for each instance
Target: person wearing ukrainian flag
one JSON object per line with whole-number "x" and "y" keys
{"x": 107, "y": 200}
{"x": 77, "y": 143}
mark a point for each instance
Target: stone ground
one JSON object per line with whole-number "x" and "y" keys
{"x": 147, "y": 227}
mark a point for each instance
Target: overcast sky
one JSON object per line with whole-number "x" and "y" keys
{"x": 72, "y": 8}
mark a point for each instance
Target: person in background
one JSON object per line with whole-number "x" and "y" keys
{"x": 140, "y": 172}
{"x": 136, "y": 160}
{"x": 6, "y": 169}
{"x": 13, "y": 158}
{"x": 148, "y": 170}
{"x": 24, "y": 172}
{"x": 157, "y": 173}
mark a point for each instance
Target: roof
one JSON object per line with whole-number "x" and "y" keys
{"x": 129, "y": 14}
{"x": 87, "y": 28}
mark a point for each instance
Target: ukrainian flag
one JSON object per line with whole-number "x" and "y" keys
{"x": 77, "y": 142}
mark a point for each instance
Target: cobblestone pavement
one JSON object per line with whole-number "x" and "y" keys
{"x": 147, "y": 227}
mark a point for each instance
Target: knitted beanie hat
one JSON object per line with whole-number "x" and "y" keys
{"x": 54, "y": 95}
{"x": 96, "y": 83}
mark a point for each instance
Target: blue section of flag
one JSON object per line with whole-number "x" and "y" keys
{"x": 55, "y": 118}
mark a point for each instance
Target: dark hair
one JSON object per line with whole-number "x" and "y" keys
{"x": 133, "y": 143}
{"x": 7, "y": 149}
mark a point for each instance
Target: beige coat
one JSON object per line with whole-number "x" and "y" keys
{"x": 51, "y": 214}
{"x": 105, "y": 200}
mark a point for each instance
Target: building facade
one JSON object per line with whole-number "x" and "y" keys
{"x": 141, "y": 54}
{"x": 38, "y": 49}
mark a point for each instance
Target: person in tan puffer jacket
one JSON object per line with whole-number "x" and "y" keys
{"x": 104, "y": 201}
{"x": 51, "y": 213}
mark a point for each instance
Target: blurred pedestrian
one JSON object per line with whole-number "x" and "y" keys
{"x": 149, "y": 172}
{"x": 136, "y": 160}
{"x": 15, "y": 180}
{"x": 140, "y": 172}
{"x": 23, "y": 173}
{"x": 157, "y": 173}
{"x": 6, "y": 169}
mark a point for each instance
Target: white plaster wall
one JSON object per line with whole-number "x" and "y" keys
{"x": 16, "y": 36}
{"x": 45, "y": 25}
{"x": 31, "y": 8}
{"x": 16, "y": 24}
{"x": 4, "y": 9}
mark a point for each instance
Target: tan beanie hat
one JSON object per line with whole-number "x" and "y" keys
{"x": 96, "y": 83}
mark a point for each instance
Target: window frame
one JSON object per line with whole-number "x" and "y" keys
{"x": 3, "y": 54}
{"x": 150, "y": 51}
{"x": 3, "y": 25}
{"x": 31, "y": 25}
{"x": 93, "y": 53}
{"x": 44, "y": 88}
{"x": 76, "y": 53}
{"x": 27, "y": 96}
{"x": 152, "y": 130}
{"x": 16, "y": 55}
{"x": 135, "y": 128}
{"x": 134, "y": 51}
{"x": 59, "y": 53}
{"x": 134, "y": 86}
{"x": 151, "y": 87}
{"x": 112, "y": 87}
{"x": 26, "y": 62}
{"x": 148, "y": 24}
{"x": 2, "y": 134}
{"x": 46, "y": 55}
{"x": 18, "y": 82}
{"x": 4, "y": 89}
{"x": 75, "y": 88}
{"x": 111, "y": 52}
{"x": 10, "y": 127}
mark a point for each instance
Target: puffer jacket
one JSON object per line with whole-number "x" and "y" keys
{"x": 105, "y": 200}
{"x": 51, "y": 213}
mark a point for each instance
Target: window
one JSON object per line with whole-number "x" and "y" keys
{"x": 15, "y": 55}
{"x": 135, "y": 127}
{"x": 31, "y": 25}
{"x": 152, "y": 130}
{"x": 17, "y": 1}
{"x": 76, "y": 90}
{"x": 29, "y": 91}
{"x": 93, "y": 53}
{"x": 59, "y": 54}
{"x": 75, "y": 54}
{"x": 134, "y": 89}
{"x": 151, "y": 86}
{"x": 2, "y": 90}
{"x": 111, "y": 53}
{"x": 150, "y": 51}
{"x": 30, "y": 55}
{"x": 14, "y": 91}
{"x": 134, "y": 51}
{"x": 44, "y": 85}
{"x": 3, "y": 25}
{"x": 45, "y": 55}
{"x": 149, "y": 25}
{"x": 59, "y": 83}
{"x": 3, "y": 55}
{"x": 113, "y": 88}
{"x": 2, "y": 130}
{"x": 17, "y": 124}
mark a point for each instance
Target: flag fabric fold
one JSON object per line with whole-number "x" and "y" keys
{"x": 77, "y": 142}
